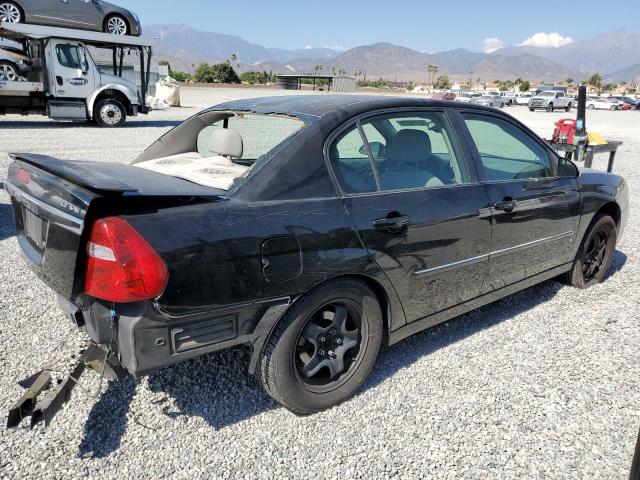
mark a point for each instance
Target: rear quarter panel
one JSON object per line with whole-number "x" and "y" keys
{"x": 216, "y": 252}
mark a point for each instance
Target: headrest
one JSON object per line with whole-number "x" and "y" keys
{"x": 227, "y": 143}
{"x": 409, "y": 146}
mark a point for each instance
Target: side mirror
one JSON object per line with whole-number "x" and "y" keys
{"x": 377, "y": 149}
{"x": 567, "y": 169}
{"x": 84, "y": 63}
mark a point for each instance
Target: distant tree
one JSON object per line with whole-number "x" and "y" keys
{"x": 433, "y": 70}
{"x": 442, "y": 83}
{"x": 569, "y": 81}
{"x": 164, "y": 63}
{"x": 217, "y": 73}
{"x": 525, "y": 85}
{"x": 596, "y": 80}
{"x": 180, "y": 76}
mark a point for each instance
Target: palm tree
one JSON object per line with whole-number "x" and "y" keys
{"x": 433, "y": 70}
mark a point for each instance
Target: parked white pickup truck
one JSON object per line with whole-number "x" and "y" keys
{"x": 550, "y": 101}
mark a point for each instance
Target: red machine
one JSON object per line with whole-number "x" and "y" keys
{"x": 564, "y": 131}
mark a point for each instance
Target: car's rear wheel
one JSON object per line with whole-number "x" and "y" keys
{"x": 568, "y": 109}
{"x": 109, "y": 113}
{"x": 116, "y": 25}
{"x": 320, "y": 353}
{"x": 613, "y": 107}
{"x": 550, "y": 107}
{"x": 8, "y": 71}
{"x": 591, "y": 107}
{"x": 10, "y": 13}
{"x": 532, "y": 109}
{"x": 595, "y": 255}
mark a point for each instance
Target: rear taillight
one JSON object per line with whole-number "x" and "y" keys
{"x": 121, "y": 266}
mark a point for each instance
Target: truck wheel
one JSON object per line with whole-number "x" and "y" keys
{"x": 8, "y": 71}
{"x": 568, "y": 109}
{"x": 109, "y": 113}
{"x": 595, "y": 255}
{"x": 323, "y": 349}
{"x": 10, "y": 13}
{"x": 532, "y": 109}
{"x": 550, "y": 107}
{"x": 116, "y": 25}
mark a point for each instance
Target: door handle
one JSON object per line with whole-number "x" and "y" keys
{"x": 392, "y": 224}
{"x": 507, "y": 205}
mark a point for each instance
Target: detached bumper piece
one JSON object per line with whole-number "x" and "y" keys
{"x": 46, "y": 394}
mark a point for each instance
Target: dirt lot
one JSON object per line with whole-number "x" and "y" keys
{"x": 541, "y": 384}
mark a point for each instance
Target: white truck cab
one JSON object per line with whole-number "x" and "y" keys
{"x": 66, "y": 83}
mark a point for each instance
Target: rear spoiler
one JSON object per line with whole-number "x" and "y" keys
{"x": 105, "y": 178}
{"x": 79, "y": 173}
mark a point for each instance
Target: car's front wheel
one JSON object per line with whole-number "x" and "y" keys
{"x": 568, "y": 109}
{"x": 109, "y": 113}
{"x": 8, "y": 71}
{"x": 550, "y": 107}
{"x": 595, "y": 255}
{"x": 116, "y": 25}
{"x": 321, "y": 351}
{"x": 591, "y": 107}
{"x": 10, "y": 13}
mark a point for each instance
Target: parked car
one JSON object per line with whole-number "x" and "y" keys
{"x": 509, "y": 98}
{"x": 550, "y": 100}
{"x": 599, "y": 103}
{"x": 524, "y": 99}
{"x": 626, "y": 103}
{"x": 312, "y": 243}
{"x": 489, "y": 100}
{"x": 14, "y": 64}
{"x": 80, "y": 14}
{"x": 444, "y": 96}
{"x": 466, "y": 97}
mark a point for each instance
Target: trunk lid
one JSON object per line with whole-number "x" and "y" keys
{"x": 55, "y": 200}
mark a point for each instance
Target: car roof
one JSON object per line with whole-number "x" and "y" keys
{"x": 324, "y": 106}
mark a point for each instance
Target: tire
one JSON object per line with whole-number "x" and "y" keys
{"x": 568, "y": 109}
{"x": 613, "y": 107}
{"x": 532, "y": 109}
{"x": 10, "y": 13}
{"x": 585, "y": 273}
{"x": 591, "y": 107}
{"x": 8, "y": 71}
{"x": 116, "y": 25}
{"x": 501, "y": 104}
{"x": 109, "y": 113}
{"x": 550, "y": 108}
{"x": 291, "y": 365}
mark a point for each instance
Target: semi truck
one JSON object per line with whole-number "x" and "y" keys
{"x": 64, "y": 82}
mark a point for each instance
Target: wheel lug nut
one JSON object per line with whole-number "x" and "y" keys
{"x": 321, "y": 353}
{"x": 339, "y": 341}
{"x": 322, "y": 339}
{"x": 332, "y": 354}
{"x": 332, "y": 332}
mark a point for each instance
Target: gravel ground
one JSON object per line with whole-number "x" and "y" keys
{"x": 541, "y": 384}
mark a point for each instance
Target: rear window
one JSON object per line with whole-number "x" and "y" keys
{"x": 260, "y": 134}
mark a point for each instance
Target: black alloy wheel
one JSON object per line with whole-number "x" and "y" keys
{"x": 595, "y": 255}
{"x": 321, "y": 351}
{"x": 330, "y": 345}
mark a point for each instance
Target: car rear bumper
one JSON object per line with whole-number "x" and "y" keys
{"x": 147, "y": 340}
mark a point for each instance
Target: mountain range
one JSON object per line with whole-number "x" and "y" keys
{"x": 615, "y": 55}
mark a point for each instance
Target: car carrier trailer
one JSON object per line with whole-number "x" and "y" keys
{"x": 64, "y": 81}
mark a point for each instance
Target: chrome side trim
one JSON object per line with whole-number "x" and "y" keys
{"x": 533, "y": 243}
{"x": 498, "y": 253}
{"x": 453, "y": 265}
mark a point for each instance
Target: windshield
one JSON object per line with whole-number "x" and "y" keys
{"x": 547, "y": 94}
{"x": 226, "y": 147}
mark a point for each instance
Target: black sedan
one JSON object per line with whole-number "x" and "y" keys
{"x": 80, "y": 14}
{"x": 313, "y": 228}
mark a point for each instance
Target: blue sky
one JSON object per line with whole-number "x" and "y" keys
{"x": 419, "y": 24}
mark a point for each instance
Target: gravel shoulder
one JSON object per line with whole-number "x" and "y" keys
{"x": 543, "y": 383}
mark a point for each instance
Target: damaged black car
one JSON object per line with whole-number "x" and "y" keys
{"x": 312, "y": 228}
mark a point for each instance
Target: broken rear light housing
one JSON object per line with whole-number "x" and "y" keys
{"x": 121, "y": 265}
